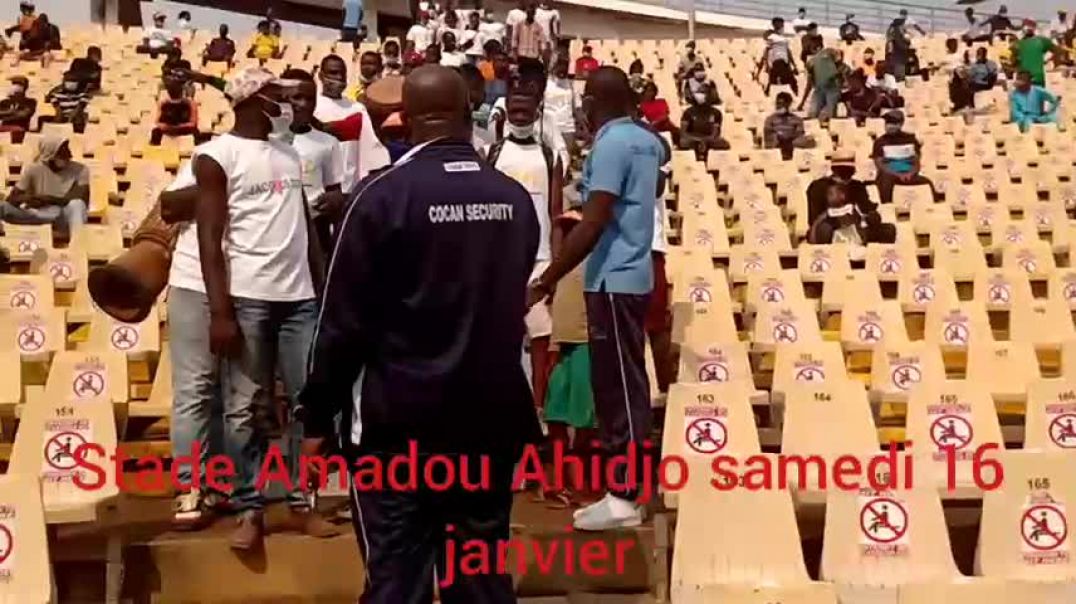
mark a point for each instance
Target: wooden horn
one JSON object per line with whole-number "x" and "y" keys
{"x": 128, "y": 286}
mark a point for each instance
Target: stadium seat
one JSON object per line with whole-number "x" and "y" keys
{"x": 869, "y": 324}
{"x": 26, "y": 292}
{"x": 1002, "y": 289}
{"x": 23, "y": 563}
{"x": 842, "y": 287}
{"x": 920, "y": 289}
{"x": 898, "y": 370}
{"x": 1004, "y": 369}
{"x": 957, "y": 325}
{"x": 805, "y": 365}
{"x": 785, "y": 324}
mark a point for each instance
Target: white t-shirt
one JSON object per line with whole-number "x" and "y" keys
{"x": 421, "y": 35}
{"x": 492, "y": 31}
{"x": 550, "y": 133}
{"x": 444, "y": 29}
{"x": 360, "y": 156}
{"x": 515, "y": 17}
{"x": 265, "y": 239}
{"x": 157, "y": 37}
{"x": 659, "y": 244}
{"x": 545, "y": 17}
{"x": 526, "y": 165}
{"x": 559, "y": 104}
{"x": 800, "y": 23}
{"x": 323, "y": 162}
{"x": 476, "y": 36}
{"x": 453, "y": 59}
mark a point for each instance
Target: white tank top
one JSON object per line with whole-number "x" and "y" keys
{"x": 527, "y": 165}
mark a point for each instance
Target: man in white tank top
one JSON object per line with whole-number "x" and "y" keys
{"x": 243, "y": 292}
{"x": 522, "y": 155}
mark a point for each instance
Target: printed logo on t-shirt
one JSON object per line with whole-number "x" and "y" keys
{"x": 274, "y": 187}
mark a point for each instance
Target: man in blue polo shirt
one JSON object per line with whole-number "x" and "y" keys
{"x": 620, "y": 181}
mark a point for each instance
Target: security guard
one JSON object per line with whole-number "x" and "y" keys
{"x": 419, "y": 342}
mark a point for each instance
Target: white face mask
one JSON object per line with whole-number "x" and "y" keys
{"x": 281, "y": 124}
{"x": 69, "y": 85}
{"x": 183, "y": 22}
{"x": 845, "y": 210}
{"x": 700, "y": 98}
{"x": 515, "y": 131}
{"x": 700, "y": 76}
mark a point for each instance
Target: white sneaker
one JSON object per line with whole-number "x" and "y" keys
{"x": 585, "y": 510}
{"x": 187, "y": 512}
{"x": 610, "y": 513}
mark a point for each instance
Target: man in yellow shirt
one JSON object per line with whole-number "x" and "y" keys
{"x": 266, "y": 45}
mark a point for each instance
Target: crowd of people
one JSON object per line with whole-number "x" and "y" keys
{"x": 384, "y": 232}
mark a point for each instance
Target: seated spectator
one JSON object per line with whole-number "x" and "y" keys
{"x": 472, "y": 38}
{"x": 40, "y": 41}
{"x": 393, "y": 64}
{"x": 266, "y": 45}
{"x": 586, "y": 63}
{"x": 656, "y": 111}
{"x": 450, "y": 23}
{"x": 867, "y": 60}
{"x": 69, "y": 100}
{"x": 490, "y": 49}
{"x": 421, "y": 33}
{"x": 784, "y": 130}
{"x": 17, "y": 109}
{"x": 528, "y": 37}
{"x": 860, "y": 101}
{"x": 896, "y": 155}
{"x": 1031, "y": 104}
{"x": 688, "y": 60}
{"x": 88, "y": 69}
{"x": 954, "y": 58}
{"x": 53, "y": 189}
{"x": 885, "y": 85}
{"x": 842, "y": 172}
{"x": 432, "y": 56}
{"x": 843, "y": 222}
{"x": 26, "y": 20}
{"x": 700, "y": 83}
{"x": 961, "y": 95}
{"x": 451, "y": 55}
{"x": 983, "y": 73}
{"x": 560, "y": 103}
{"x": 636, "y": 78}
{"x": 370, "y": 69}
{"x": 157, "y": 39}
{"x": 700, "y": 126}
{"x": 177, "y": 115}
{"x": 220, "y": 49}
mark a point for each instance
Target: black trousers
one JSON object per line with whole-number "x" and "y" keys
{"x": 886, "y": 184}
{"x": 404, "y": 537}
{"x": 617, "y": 339}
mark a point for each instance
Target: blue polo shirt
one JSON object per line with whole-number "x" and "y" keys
{"x": 624, "y": 161}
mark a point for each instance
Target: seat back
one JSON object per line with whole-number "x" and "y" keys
{"x": 24, "y": 544}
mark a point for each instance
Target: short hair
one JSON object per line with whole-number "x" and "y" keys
{"x": 784, "y": 96}
{"x": 492, "y": 47}
{"x": 1023, "y": 72}
{"x": 376, "y": 55}
{"x": 777, "y": 20}
{"x": 184, "y": 13}
{"x": 294, "y": 73}
{"x": 93, "y": 50}
{"x": 332, "y": 57}
{"x": 530, "y": 70}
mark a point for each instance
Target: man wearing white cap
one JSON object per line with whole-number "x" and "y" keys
{"x": 242, "y": 288}
{"x": 156, "y": 39}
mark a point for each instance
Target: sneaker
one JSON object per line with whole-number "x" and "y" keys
{"x": 215, "y": 501}
{"x": 188, "y": 513}
{"x": 310, "y": 522}
{"x": 608, "y": 514}
{"x": 251, "y": 532}
{"x": 588, "y": 509}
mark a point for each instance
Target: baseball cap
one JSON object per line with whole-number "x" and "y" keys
{"x": 248, "y": 82}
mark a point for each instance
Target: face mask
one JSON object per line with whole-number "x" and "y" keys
{"x": 892, "y": 128}
{"x": 700, "y": 76}
{"x": 783, "y": 111}
{"x": 520, "y": 132}
{"x": 183, "y": 23}
{"x": 70, "y": 85}
{"x": 281, "y": 125}
{"x": 332, "y": 87}
{"x": 841, "y": 211}
{"x": 700, "y": 97}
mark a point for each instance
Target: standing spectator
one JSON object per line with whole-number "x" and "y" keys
{"x": 250, "y": 303}
{"x": 523, "y": 156}
{"x": 849, "y": 30}
{"x": 983, "y": 73}
{"x": 897, "y": 50}
{"x": 490, "y": 50}
{"x": 491, "y": 29}
{"x": 25, "y": 22}
{"x": 472, "y": 39}
{"x": 515, "y": 16}
{"x": 999, "y": 23}
{"x": 266, "y": 44}
{"x": 620, "y": 184}
{"x": 69, "y": 100}
{"x": 531, "y": 76}
{"x": 349, "y": 122}
{"x": 157, "y": 39}
{"x": 183, "y": 22}
{"x": 391, "y": 58}
{"x": 975, "y": 32}
{"x": 1030, "y": 103}
{"x": 896, "y": 155}
{"x": 352, "y": 20}
{"x": 549, "y": 18}
{"x": 1030, "y": 53}
{"x": 177, "y": 115}
{"x": 812, "y": 43}
{"x": 656, "y": 110}
{"x": 421, "y": 34}
{"x": 954, "y": 58}
{"x": 500, "y": 66}
{"x": 586, "y": 63}
{"x": 800, "y": 23}
{"x": 1060, "y": 27}
{"x": 636, "y": 78}
{"x": 909, "y": 24}
{"x": 559, "y": 104}
{"x": 450, "y": 24}
{"x": 322, "y": 161}
{"x": 88, "y": 69}
{"x": 220, "y": 49}
{"x": 700, "y": 127}
{"x": 370, "y": 68}
{"x": 17, "y": 109}
{"x": 861, "y": 101}
{"x": 823, "y": 85}
{"x": 784, "y": 130}
{"x": 777, "y": 59}
{"x": 54, "y": 189}
{"x": 451, "y": 55}
{"x": 528, "y": 37}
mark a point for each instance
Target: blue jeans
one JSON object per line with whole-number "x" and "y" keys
{"x": 275, "y": 334}
{"x": 824, "y": 102}
{"x": 69, "y": 216}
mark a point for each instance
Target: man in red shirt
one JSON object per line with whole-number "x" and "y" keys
{"x": 586, "y": 63}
